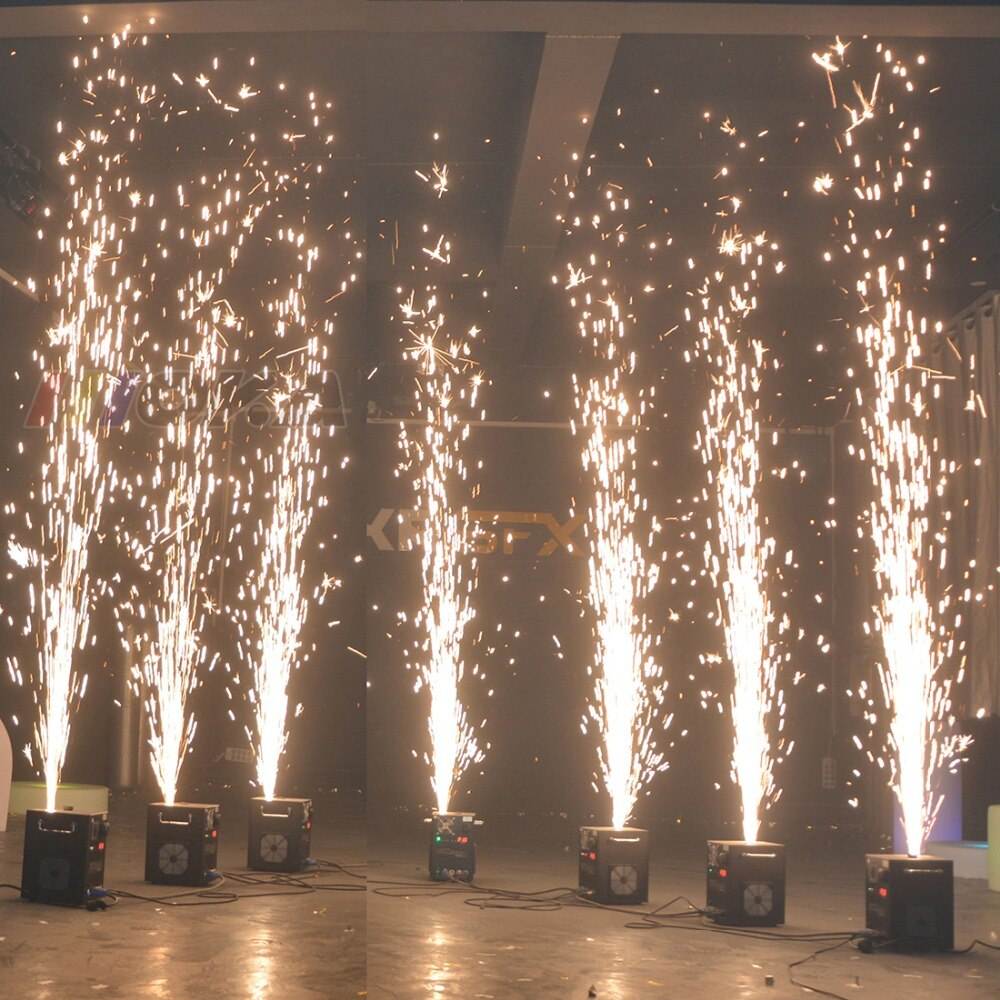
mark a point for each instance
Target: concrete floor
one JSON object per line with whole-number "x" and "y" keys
{"x": 424, "y": 946}
{"x": 292, "y": 947}
{"x": 428, "y": 943}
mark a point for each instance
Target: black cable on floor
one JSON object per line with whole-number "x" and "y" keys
{"x": 756, "y": 933}
{"x": 301, "y": 882}
{"x": 557, "y": 897}
{"x": 970, "y": 947}
{"x": 208, "y": 896}
{"x": 486, "y": 897}
{"x": 342, "y": 868}
{"x": 400, "y": 890}
{"x": 809, "y": 958}
{"x": 273, "y": 884}
{"x": 647, "y": 918}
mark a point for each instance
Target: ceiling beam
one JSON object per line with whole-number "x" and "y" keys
{"x": 568, "y": 91}
{"x": 943, "y": 20}
{"x": 183, "y": 17}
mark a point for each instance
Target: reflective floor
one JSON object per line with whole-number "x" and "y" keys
{"x": 423, "y": 945}
{"x": 425, "y": 940}
{"x": 306, "y": 945}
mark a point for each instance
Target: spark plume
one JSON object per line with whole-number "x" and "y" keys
{"x": 83, "y": 365}
{"x": 434, "y": 455}
{"x": 178, "y": 531}
{"x": 174, "y": 546}
{"x": 447, "y": 567}
{"x": 72, "y": 495}
{"x": 629, "y": 687}
{"x": 162, "y": 255}
{"x": 276, "y": 592}
{"x": 737, "y": 552}
{"x": 906, "y": 478}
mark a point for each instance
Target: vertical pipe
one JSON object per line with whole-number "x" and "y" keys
{"x": 126, "y": 757}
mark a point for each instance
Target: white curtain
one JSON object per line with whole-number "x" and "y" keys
{"x": 966, "y": 423}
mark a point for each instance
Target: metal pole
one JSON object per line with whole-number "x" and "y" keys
{"x": 127, "y": 739}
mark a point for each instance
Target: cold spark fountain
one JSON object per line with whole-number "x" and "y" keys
{"x": 745, "y": 879}
{"x": 885, "y": 234}
{"x": 881, "y": 236}
{"x": 275, "y": 598}
{"x": 629, "y": 687}
{"x": 448, "y": 567}
{"x": 83, "y": 367}
{"x": 277, "y": 592}
{"x": 434, "y": 456}
{"x": 738, "y": 554}
{"x": 217, "y": 222}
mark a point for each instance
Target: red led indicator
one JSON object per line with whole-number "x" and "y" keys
{"x": 883, "y": 891}
{"x": 723, "y": 872}
{"x": 215, "y": 833}
{"x": 100, "y": 845}
{"x": 593, "y": 855}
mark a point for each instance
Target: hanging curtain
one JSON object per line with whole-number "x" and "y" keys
{"x": 966, "y": 425}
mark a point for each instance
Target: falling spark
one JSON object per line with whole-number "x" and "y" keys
{"x": 628, "y": 684}
{"x": 916, "y": 692}
{"x": 823, "y": 184}
{"x": 428, "y": 347}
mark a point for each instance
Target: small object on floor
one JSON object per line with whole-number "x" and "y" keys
{"x": 769, "y": 980}
{"x": 592, "y": 992}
